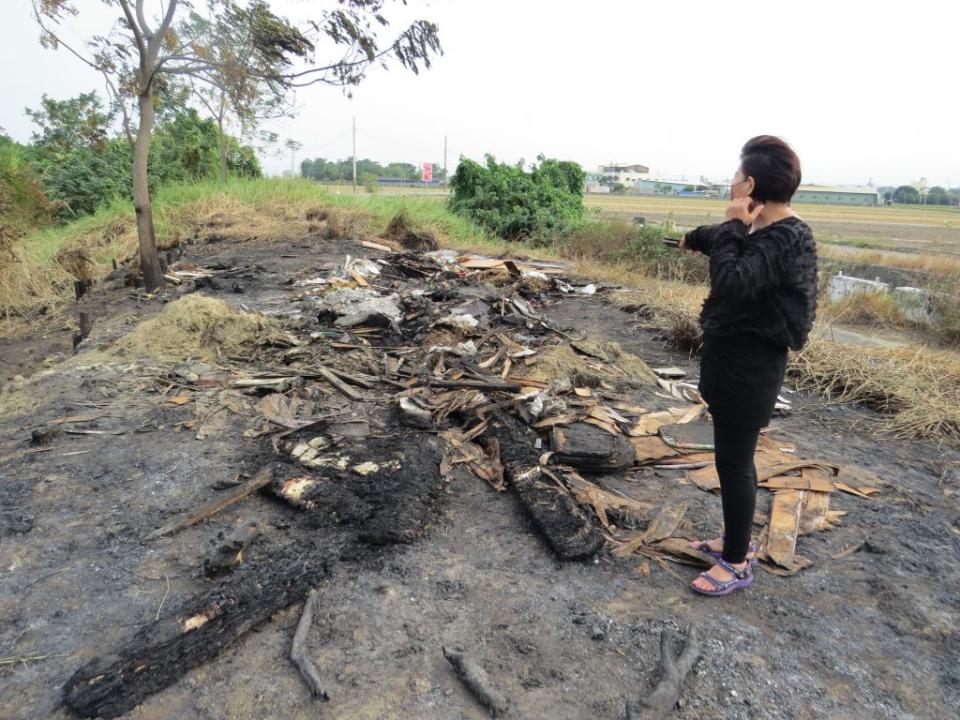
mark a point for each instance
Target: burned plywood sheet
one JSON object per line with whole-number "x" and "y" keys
{"x": 696, "y": 435}
{"x": 587, "y": 447}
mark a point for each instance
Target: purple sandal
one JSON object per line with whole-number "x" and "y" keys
{"x": 741, "y": 579}
{"x": 704, "y": 547}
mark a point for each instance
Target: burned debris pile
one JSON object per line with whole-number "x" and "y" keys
{"x": 393, "y": 377}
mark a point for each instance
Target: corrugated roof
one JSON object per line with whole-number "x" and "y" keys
{"x": 859, "y": 189}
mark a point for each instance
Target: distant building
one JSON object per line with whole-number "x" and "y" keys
{"x": 626, "y": 175}
{"x": 682, "y": 188}
{"x": 837, "y": 195}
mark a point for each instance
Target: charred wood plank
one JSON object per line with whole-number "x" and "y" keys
{"x": 164, "y": 651}
{"x": 566, "y": 527}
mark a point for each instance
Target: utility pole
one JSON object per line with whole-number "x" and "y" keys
{"x": 354, "y": 153}
{"x": 444, "y": 162}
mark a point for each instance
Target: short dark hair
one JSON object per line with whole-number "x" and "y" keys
{"x": 774, "y": 167}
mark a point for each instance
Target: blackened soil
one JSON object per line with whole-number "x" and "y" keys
{"x": 873, "y": 635}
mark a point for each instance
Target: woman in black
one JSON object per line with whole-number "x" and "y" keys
{"x": 762, "y": 301}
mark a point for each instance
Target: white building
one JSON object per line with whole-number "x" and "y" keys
{"x": 627, "y": 175}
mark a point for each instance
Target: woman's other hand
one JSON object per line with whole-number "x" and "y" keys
{"x": 744, "y": 210}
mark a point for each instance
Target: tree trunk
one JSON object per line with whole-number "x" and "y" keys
{"x": 149, "y": 260}
{"x": 223, "y": 141}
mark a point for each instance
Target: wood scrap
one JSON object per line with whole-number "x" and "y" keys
{"x": 484, "y": 464}
{"x": 331, "y": 378}
{"x": 261, "y": 479}
{"x": 651, "y": 449}
{"x": 705, "y": 478}
{"x": 357, "y": 380}
{"x": 300, "y": 654}
{"x": 663, "y": 525}
{"x": 679, "y": 550}
{"x": 842, "y": 486}
{"x": 475, "y": 385}
{"x": 783, "y": 529}
{"x": 804, "y": 482}
{"x": 673, "y": 669}
{"x": 375, "y": 246}
{"x": 816, "y": 514}
{"x": 770, "y": 471}
{"x": 477, "y": 681}
{"x": 588, "y": 493}
{"x": 650, "y": 423}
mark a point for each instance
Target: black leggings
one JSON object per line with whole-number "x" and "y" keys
{"x": 735, "y": 447}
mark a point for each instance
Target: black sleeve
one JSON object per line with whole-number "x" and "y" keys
{"x": 701, "y": 239}
{"x": 743, "y": 266}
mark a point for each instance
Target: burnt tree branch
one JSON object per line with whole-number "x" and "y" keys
{"x": 660, "y": 703}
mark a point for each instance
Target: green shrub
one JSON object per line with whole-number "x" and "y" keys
{"x": 23, "y": 203}
{"x": 370, "y": 183}
{"x": 518, "y": 205}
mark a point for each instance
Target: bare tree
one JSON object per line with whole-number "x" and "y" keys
{"x": 243, "y": 51}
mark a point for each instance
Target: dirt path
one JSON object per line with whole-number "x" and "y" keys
{"x": 873, "y": 635}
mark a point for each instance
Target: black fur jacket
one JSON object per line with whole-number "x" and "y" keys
{"x": 762, "y": 284}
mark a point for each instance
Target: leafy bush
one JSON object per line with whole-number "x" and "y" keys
{"x": 518, "y": 205}
{"x": 370, "y": 183}
{"x": 82, "y": 166}
{"x": 23, "y": 204}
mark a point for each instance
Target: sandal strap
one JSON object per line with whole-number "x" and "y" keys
{"x": 718, "y": 584}
{"x": 737, "y": 574}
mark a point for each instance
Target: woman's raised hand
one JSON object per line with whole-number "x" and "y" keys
{"x": 740, "y": 209}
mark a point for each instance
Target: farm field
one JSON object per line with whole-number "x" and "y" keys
{"x": 928, "y": 229}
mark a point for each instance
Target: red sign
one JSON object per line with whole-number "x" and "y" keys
{"x": 427, "y": 172}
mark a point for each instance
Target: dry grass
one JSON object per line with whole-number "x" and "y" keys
{"x": 917, "y": 390}
{"x": 197, "y": 327}
{"x": 37, "y": 271}
{"x": 916, "y": 262}
{"x": 674, "y": 306}
{"x": 615, "y": 365}
{"x": 868, "y": 309}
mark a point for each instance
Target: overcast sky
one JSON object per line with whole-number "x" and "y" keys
{"x": 865, "y": 90}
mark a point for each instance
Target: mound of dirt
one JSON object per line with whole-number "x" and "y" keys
{"x": 588, "y": 363}
{"x": 400, "y": 230}
{"x": 198, "y": 327}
